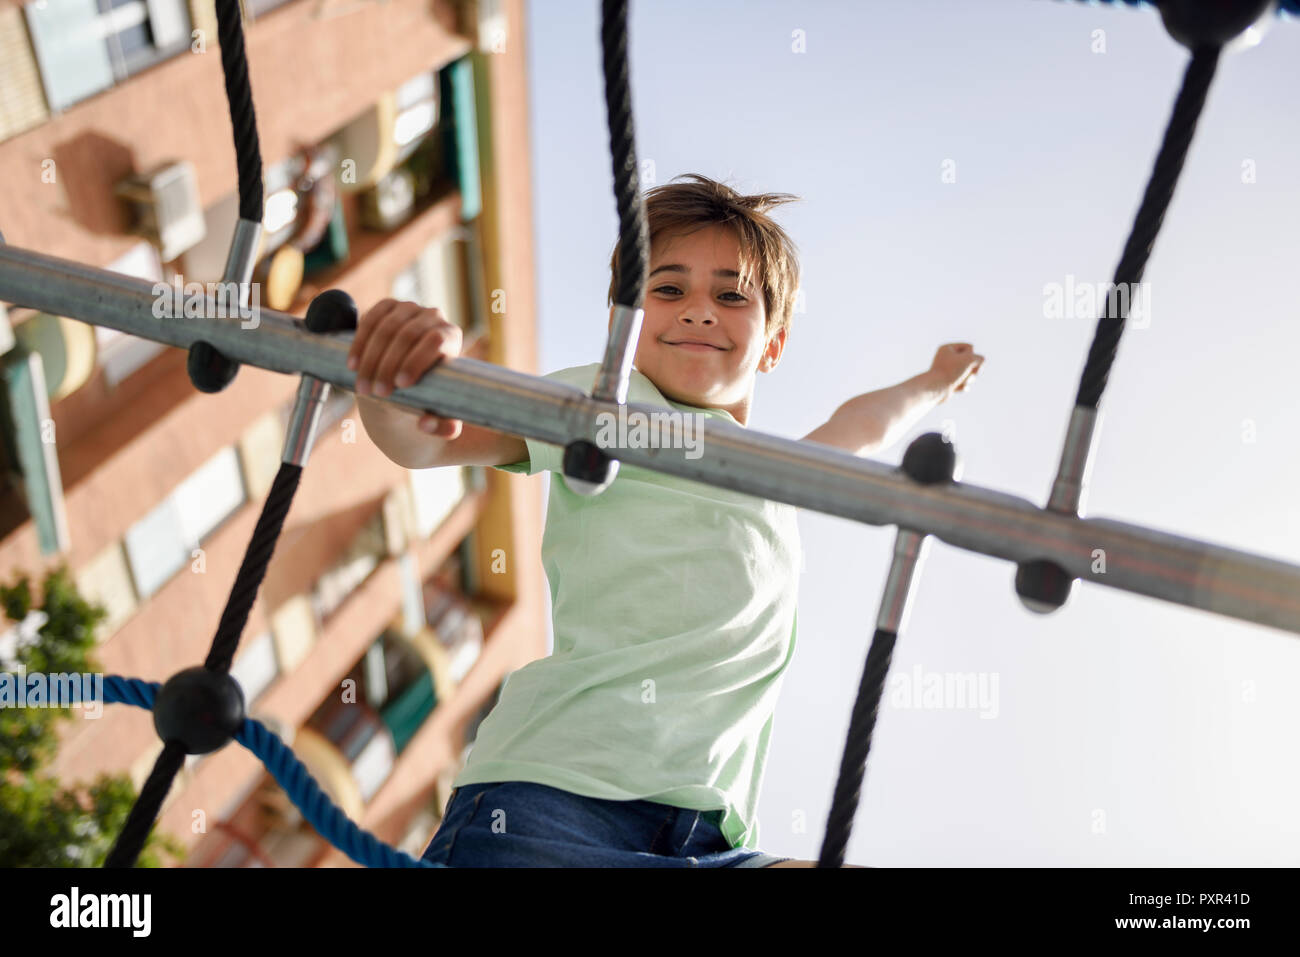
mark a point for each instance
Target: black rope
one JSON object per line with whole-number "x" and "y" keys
{"x": 239, "y": 93}
{"x": 248, "y": 152}
{"x": 1146, "y": 226}
{"x": 144, "y": 812}
{"x": 209, "y": 370}
{"x": 633, "y": 235}
{"x": 853, "y": 766}
{"x": 204, "y": 359}
{"x": 253, "y": 569}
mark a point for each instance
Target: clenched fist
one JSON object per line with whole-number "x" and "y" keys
{"x": 398, "y": 342}
{"x": 955, "y": 366}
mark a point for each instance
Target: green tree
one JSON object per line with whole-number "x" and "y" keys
{"x": 41, "y": 823}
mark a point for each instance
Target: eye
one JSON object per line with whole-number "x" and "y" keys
{"x": 673, "y": 290}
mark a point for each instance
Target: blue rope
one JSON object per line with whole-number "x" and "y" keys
{"x": 328, "y": 820}
{"x": 1290, "y": 8}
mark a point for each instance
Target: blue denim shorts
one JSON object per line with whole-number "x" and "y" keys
{"x": 522, "y": 824}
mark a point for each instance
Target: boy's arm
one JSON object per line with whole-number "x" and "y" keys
{"x": 876, "y": 420}
{"x": 398, "y": 436}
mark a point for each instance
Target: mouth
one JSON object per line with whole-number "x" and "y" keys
{"x": 693, "y": 345}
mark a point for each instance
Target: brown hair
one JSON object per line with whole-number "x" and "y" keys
{"x": 686, "y": 207}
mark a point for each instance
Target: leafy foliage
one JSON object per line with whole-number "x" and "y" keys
{"x": 43, "y": 824}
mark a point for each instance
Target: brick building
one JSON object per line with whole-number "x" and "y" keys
{"x": 394, "y": 139}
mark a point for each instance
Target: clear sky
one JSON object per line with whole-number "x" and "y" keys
{"x": 1120, "y": 731}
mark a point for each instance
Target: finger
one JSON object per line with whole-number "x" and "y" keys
{"x": 415, "y": 347}
{"x": 400, "y": 331}
{"x": 365, "y": 328}
{"x": 442, "y": 341}
{"x": 440, "y": 427}
{"x": 379, "y": 331}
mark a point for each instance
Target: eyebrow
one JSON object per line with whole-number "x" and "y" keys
{"x": 678, "y": 267}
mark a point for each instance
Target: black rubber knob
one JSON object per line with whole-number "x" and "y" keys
{"x": 209, "y": 370}
{"x": 1043, "y": 586}
{"x": 200, "y": 708}
{"x": 930, "y": 459}
{"x": 332, "y": 311}
{"x": 587, "y": 469}
{"x": 1201, "y": 23}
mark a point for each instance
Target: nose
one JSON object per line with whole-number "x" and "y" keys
{"x": 696, "y": 308}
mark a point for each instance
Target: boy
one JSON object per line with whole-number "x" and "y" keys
{"x": 641, "y": 739}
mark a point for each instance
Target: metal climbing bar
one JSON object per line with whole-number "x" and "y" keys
{"x": 1129, "y": 557}
{"x": 202, "y": 708}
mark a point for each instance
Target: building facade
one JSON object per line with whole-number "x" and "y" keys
{"x": 395, "y": 149}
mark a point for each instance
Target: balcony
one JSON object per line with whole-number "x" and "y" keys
{"x": 310, "y": 67}
{"x": 122, "y": 449}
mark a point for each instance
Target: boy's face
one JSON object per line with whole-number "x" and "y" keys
{"x": 687, "y": 301}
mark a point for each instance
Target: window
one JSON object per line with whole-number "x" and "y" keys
{"x": 140, "y": 33}
{"x": 355, "y": 728}
{"x": 256, "y": 667}
{"x": 375, "y": 762}
{"x": 210, "y": 495}
{"x": 161, "y": 543}
{"x": 85, "y": 46}
{"x": 399, "y": 686}
{"x": 155, "y": 548}
{"x": 125, "y": 28}
{"x": 417, "y": 105}
{"x": 362, "y": 556}
{"x": 70, "y": 50}
{"x": 435, "y": 492}
{"x": 437, "y": 278}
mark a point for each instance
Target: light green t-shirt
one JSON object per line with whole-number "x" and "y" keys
{"x": 673, "y": 608}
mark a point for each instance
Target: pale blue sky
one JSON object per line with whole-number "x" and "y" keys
{"x": 1128, "y": 732}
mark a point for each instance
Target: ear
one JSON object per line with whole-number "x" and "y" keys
{"x": 772, "y": 354}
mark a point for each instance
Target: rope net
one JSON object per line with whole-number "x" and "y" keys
{"x": 202, "y": 708}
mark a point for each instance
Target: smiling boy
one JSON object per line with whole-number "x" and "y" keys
{"x": 641, "y": 739}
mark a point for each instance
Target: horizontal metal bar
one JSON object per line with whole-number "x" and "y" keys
{"x": 1132, "y": 558}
